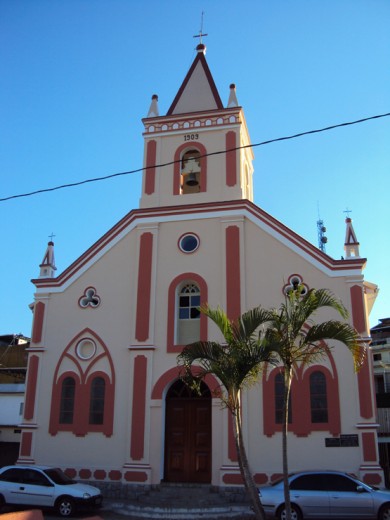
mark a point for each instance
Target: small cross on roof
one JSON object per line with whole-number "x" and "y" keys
{"x": 201, "y": 33}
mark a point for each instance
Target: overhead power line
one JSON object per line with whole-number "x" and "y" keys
{"x": 111, "y": 176}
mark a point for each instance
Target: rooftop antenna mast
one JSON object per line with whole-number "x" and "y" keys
{"x": 321, "y": 230}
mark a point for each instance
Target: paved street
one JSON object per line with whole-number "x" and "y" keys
{"x": 107, "y": 514}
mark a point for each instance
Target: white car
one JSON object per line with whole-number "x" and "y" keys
{"x": 44, "y": 486}
{"x": 326, "y": 494}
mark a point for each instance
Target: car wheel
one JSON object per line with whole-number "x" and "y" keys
{"x": 65, "y": 506}
{"x": 295, "y": 513}
{"x": 2, "y": 501}
{"x": 384, "y": 512}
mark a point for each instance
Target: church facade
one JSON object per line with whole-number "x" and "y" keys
{"x": 104, "y": 396}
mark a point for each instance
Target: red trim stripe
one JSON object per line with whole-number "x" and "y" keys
{"x": 150, "y": 172}
{"x": 138, "y": 414}
{"x": 233, "y": 276}
{"x": 231, "y": 159}
{"x": 31, "y": 387}
{"x": 39, "y": 313}
{"x": 26, "y": 444}
{"x": 144, "y": 287}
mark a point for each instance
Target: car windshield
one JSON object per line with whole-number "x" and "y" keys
{"x": 359, "y": 482}
{"x": 58, "y": 476}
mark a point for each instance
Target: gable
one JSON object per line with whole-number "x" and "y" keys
{"x": 192, "y": 213}
{"x": 198, "y": 91}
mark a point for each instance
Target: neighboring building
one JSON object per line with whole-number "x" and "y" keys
{"x": 380, "y": 346}
{"x": 13, "y": 368}
{"x": 104, "y": 397}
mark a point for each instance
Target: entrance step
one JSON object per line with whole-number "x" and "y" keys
{"x": 184, "y": 501}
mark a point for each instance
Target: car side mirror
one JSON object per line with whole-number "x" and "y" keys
{"x": 360, "y": 489}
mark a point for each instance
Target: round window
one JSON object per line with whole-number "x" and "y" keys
{"x": 189, "y": 243}
{"x": 86, "y": 349}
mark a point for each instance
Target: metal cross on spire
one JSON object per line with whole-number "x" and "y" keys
{"x": 51, "y": 237}
{"x": 347, "y": 211}
{"x": 201, "y": 33}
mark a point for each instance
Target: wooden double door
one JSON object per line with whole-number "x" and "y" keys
{"x": 187, "y": 435}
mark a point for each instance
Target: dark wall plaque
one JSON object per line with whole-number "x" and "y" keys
{"x": 332, "y": 442}
{"x": 349, "y": 440}
{"x": 344, "y": 441}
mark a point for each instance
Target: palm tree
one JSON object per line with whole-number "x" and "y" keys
{"x": 237, "y": 364}
{"x": 298, "y": 341}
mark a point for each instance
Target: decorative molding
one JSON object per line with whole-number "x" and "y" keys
{"x": 90, "y": 298}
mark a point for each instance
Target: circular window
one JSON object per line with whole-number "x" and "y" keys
{"x": 189, "y": 243}
{"x": 86, "y": 349}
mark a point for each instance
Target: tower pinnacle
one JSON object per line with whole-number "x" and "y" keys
{"x": 351, "y": 244}
{"x": 48, "y": 267}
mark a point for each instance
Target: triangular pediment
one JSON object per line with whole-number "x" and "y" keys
{"x": 229, "y": 209}
{"x": 198, "y": 91}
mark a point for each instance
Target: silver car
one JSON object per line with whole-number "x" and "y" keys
{"x": 43, "y": 486}
{"x": 326, "y": 494}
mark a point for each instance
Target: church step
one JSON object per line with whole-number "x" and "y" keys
{"x": 183, "y": 495}
{"x": 138, "y": 512}
{"x": 183, "y": 501}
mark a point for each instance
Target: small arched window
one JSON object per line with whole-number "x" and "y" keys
{"x": 318, "y": 398}
{"x": 96, "y": 404}
{"x": 188, "y": 314}
{"x": 68, "y": 390}
{"x": 190, "y": 178}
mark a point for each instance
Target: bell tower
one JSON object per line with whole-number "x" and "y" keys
{"x": 199, "y": 151}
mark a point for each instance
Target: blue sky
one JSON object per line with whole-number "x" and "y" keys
{"x": 77, "y": 77}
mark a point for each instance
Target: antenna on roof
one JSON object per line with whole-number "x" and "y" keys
{"x": 201, "y": 33}
{"x": 321, "y": 229}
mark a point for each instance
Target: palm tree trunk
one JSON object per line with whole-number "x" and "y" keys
{"x": 243, "y": 462}
{"x": 286, "y": 405}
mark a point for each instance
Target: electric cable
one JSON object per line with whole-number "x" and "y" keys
{"x": 113, "y": 175}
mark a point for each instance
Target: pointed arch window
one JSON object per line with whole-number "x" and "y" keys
{"x": 83, "y": 389}
{"x": 96, "y": 404}
{"x": 318, "y": 398}
{"x": 314, "y": 400}
{"x": 68, "y": 391}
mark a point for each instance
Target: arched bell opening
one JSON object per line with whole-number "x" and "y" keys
{"x": 190, "y": 172}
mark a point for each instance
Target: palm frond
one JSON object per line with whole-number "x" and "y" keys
{"x": 325, "y": 298}
{"x": 249, "y": 322}
{"x": 342, "y": 332}
{"x": 220, "y": 318}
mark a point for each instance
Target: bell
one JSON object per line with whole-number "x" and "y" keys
{"x": 191, "y": 179}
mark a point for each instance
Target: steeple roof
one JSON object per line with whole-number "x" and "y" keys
{"x": 351, "y": 244}
{"x": 48, "y": 266}
{"x": 198, "y": 91}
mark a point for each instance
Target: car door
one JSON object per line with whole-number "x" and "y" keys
{"x": 307, "y": 491}
{"x": 35, "y": 489}
{"x": 348, "y": 499}
{"x": 10, "y": 484}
